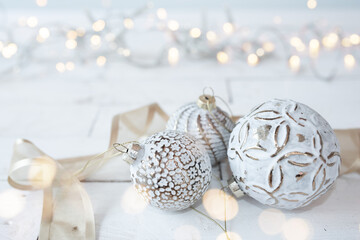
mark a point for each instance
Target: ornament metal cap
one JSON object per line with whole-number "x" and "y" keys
{"x": 131, "y": 153}
{"x": 234, "y": 188}
{"x": 206, "y": 102}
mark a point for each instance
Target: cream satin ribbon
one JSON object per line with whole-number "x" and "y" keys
{"x": 67, "y": 210}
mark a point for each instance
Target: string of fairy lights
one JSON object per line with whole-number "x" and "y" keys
{"x": 103, "y": 41}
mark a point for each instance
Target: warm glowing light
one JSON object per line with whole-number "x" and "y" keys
{"x": 294, "y": 63}
{"x": 214, "y": 203}
{"x": 132, "y": 202}
{"x": 71, "y": 44}
{"x": 229, "y": 235}
{"x": 271, "y": 221}
{"x": 211, "y": 36}
{"x": 40, "y": 39}
{"x": 354, "y": 39}
{"x": 42, "y": 172}
{"x": 296, "y": 229}
{"x": 69, "y": 66}
{"x": 260, "y": 52}
{"x": 228, "y": 28}
{"x": 222, "y": 57}
{"x": 277, "y": 20}
{"x": 9, "y": 50}
{"x": 126, "y": 52}
{"x": 314, "y": 47}
{"x": 32, "y": 22}
{"x": 12, "y": 202}
{"x": 128, "y": 23}
{"x": 298, "y": 44}
{"x": 330, "y": 40}
{"x": 349, "y": 61}
{"x": 187, "y": 232}
{"x": 95, "y": 40}
{"x": 41, "y": 3}
{"x": 99, "y": 25}
{"x": 173, "y": 56}
{"x": 311, "y": 4}
{"x": 345, "y": 42}
{"x": 100, "y": 61}
{"x": 161, "y": 13}
{"x": 44, "y": 32}
{"x": 60, "y": 67}
{"x": 252, "y": 59}
{"x": 71, "y": 34}
{"x": 268, "y": 46}
{"x": 173, "y": 25}
{"x": 195, "y": 32}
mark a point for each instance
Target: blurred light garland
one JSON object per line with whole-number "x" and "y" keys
{"x": 104, "y": 41}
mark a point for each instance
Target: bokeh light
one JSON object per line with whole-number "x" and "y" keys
{"x": 349, "y": 61}
{"x": 228, "y": 28}
{"x": 195, "y": 32}
{"x": 252, "y": 59}
{"x": 132, "y": 202}
{"x": 214, "y": 203}
{"x": 296, "y": 229}
{"x": 222, "y": 57}
{"x": 161, "y": 13}
{"x": 173, "y": 56}
{"x": 294, "y": 63}
{"x": 128, "y": 23}
{"x": 271, "y": 221}
{"x": 98, "y": 25}
{"x": 12, "y": 202}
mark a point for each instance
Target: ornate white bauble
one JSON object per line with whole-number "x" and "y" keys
{"x": 172, "y": 170}
{"x": 284, "y": 154}
{"x": 211, "y": 126}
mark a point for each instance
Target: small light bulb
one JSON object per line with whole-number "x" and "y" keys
{"x": 69, "y": 66}
{"x": 71, "y": 34}
{"x": 349, "y": 61}
{"x": 41, "y": 3}
{"x": 268, "y": 46}
{"x": 354, "y": 39}
{"x": 330, "y": 40}
{"x": 173, "y": 56}
{"x": 44, "y": 32}
{"x": 195, "y": 32}
{"x": 71, "y": 44}
{"x": 99, "y": 25}
{"x": 161, "y": 13}
{"x": 95, "y": 40}
{"x": 128, "y": 23}
{"x": 311, "y": 4}
{"x": 126, "y": 52}
{"x": 294, "y": 63}
{"x": 345, "y": 42}
{"x": 211, "y": 36}
{"x": 252, "y": 59}
{"x": 60, "y": 67}
{"x": 260, "y": 52}
{"x": 9, "y": 50}
{"x": 100, "y": 61}
{"x": 173, "y": 25}
{"x": 314, "y": 47}
{"x": 32, "y": 22}
{"x": 222, "y": 57}
{"x": 228, "y": 28}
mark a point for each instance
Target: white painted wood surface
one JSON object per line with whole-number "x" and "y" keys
{"x": 70, "y": 114}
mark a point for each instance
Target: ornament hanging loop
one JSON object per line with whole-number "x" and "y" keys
{"x": 130, "y": 153}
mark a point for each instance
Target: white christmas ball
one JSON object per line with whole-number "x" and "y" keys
{"x": 284, "y": 154}
{"x": 212, "y": 128}
{"x": 172, "y": 171}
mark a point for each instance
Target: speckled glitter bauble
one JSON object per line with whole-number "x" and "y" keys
{"x": 207, "y": 123}
{"x": 172, "y": 170}
{"x": 284, "y": 154}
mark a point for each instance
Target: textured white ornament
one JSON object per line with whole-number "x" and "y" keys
{"x": 172, "y": 171}
{"x": 284, "y": 154}
{"x": 207, "y": 123}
